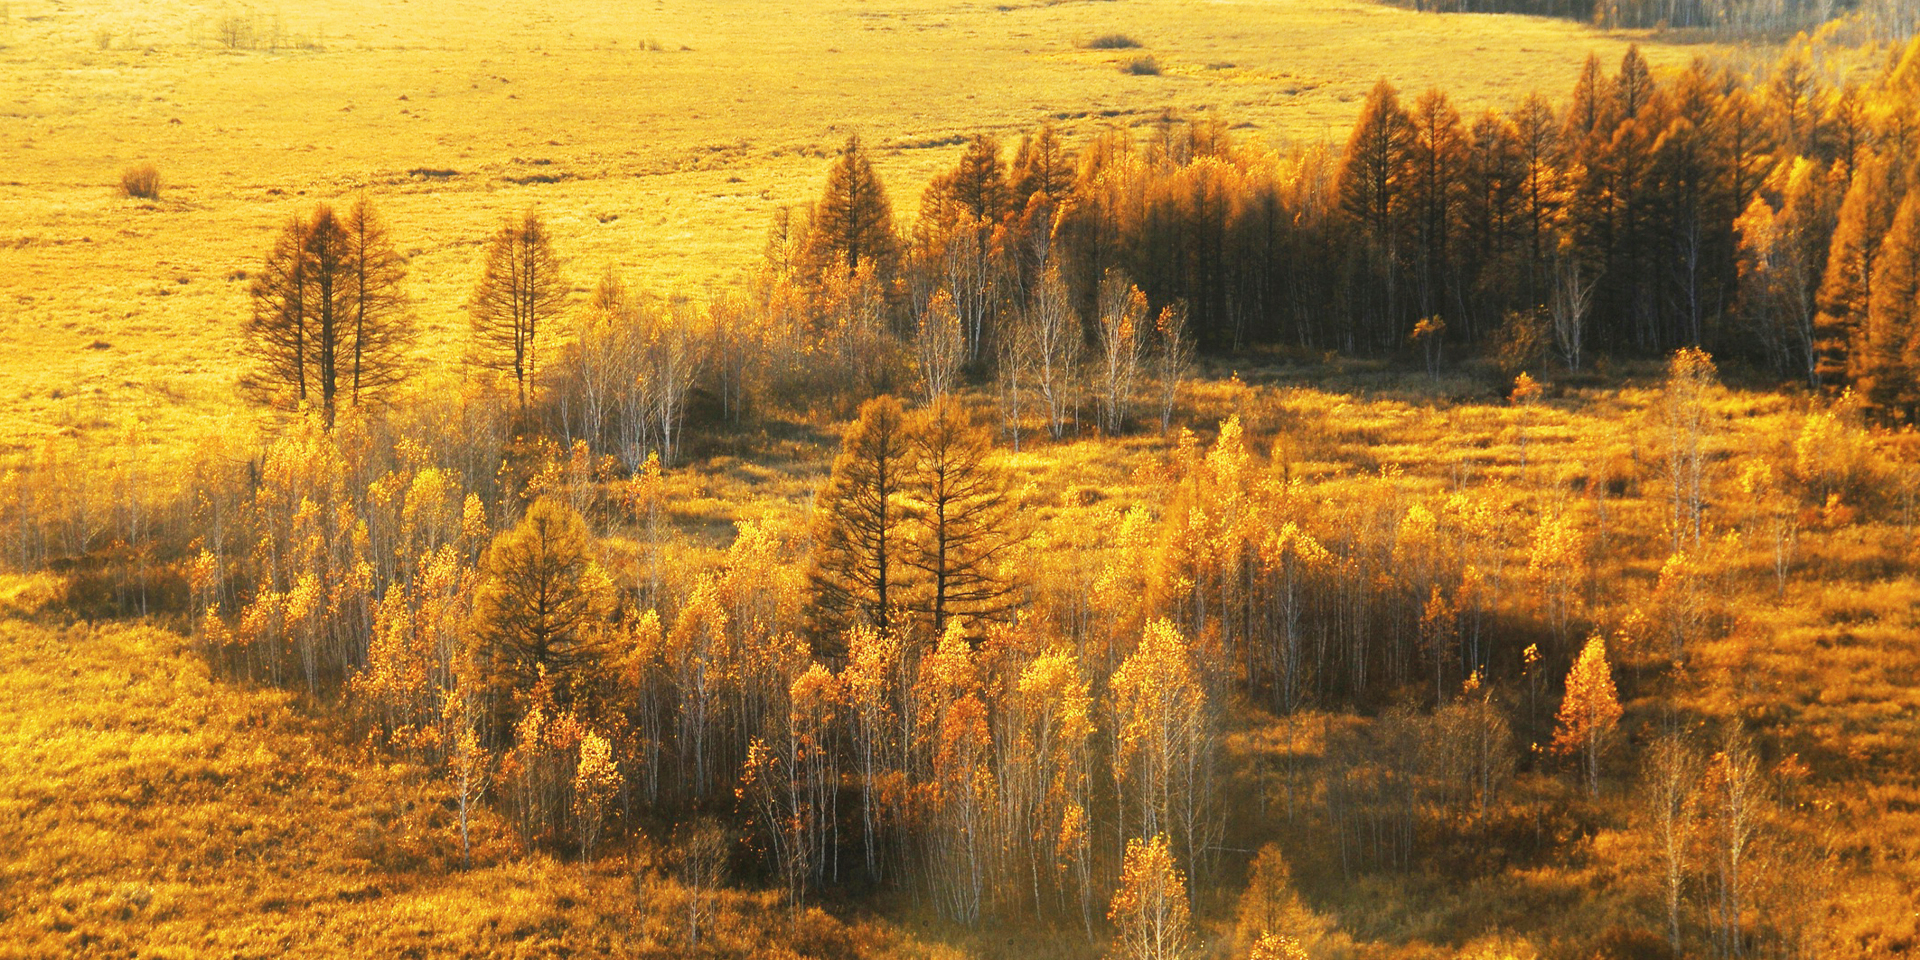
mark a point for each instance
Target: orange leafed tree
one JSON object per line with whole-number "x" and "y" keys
{"x": 1149, "y": 911}
{"x": 1164, "y": 759}
{"x": 1590, "y": 712}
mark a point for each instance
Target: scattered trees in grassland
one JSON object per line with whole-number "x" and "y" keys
{"x": 1338, "y": 634}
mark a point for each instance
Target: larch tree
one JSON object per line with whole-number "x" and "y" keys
{"x": 1781, "y": 259}
{"x": 973, "y": 194}
{"x": 1374, "y": 178}
{"x": 1590, "y": 712}
{"x": 860, "y": 528}
{"x": 1149, "y": 912}
{"x": 1893, "y": 315}
{"x": 1542, "y": 188}
{"x": 330, "y": 319}
{"x": 382, "y": 326}
{"x": 520, "y": 293}
{"x": 963, "y": 508}
{"x": 1040, "y": 181}
{"x": 1437, "y": 159}
{"x": 1374, "y": 191}
{"x": 544, "y": 604}
{"x": 852, "y": 224}
{"x": 1842, "y": 348}
{"x": 1042, "y": 167}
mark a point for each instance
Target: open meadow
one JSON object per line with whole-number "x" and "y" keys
{"x": 657, "y": 138}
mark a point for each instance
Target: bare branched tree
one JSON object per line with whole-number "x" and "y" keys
{"x": 938, "y": 344}
{"x": 1123, "y": 317}
{"x": 1058, "y": 343}
{"x": 1572, "y": 298}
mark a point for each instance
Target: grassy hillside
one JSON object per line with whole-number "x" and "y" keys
{"x": 656, "y": 138}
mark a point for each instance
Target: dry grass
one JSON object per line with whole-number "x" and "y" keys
{"x": 141, "y": 181}
{"x": 149, "y": 810}
{"x": 659, "y": 141}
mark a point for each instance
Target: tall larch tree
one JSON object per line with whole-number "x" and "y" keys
{"x": 974, "y": 193}
{"x": 520, "y": 294}
{"x": 1373, "y": 193}
{"x": 1437, "y": 159}
{"x": 860, "y": 529}
{"x": 965, "y": 525}
{"x": 852, "y": 224}
{"x": 1039, "y": 182}
{"x": 1493, "y": 178}
{"x": 383, "y": 330}
{"x": 544, "y": 605}
{"x": 1893, "y": 315}
{"x": 1844, "y": 352}
{"x": 1542, "y": 190}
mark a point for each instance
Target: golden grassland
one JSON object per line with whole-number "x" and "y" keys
{"x": 656, "y": 138}
{"x": 157, "y": 808}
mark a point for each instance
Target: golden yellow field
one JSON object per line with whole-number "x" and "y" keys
{"x": 656, "y": 138}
